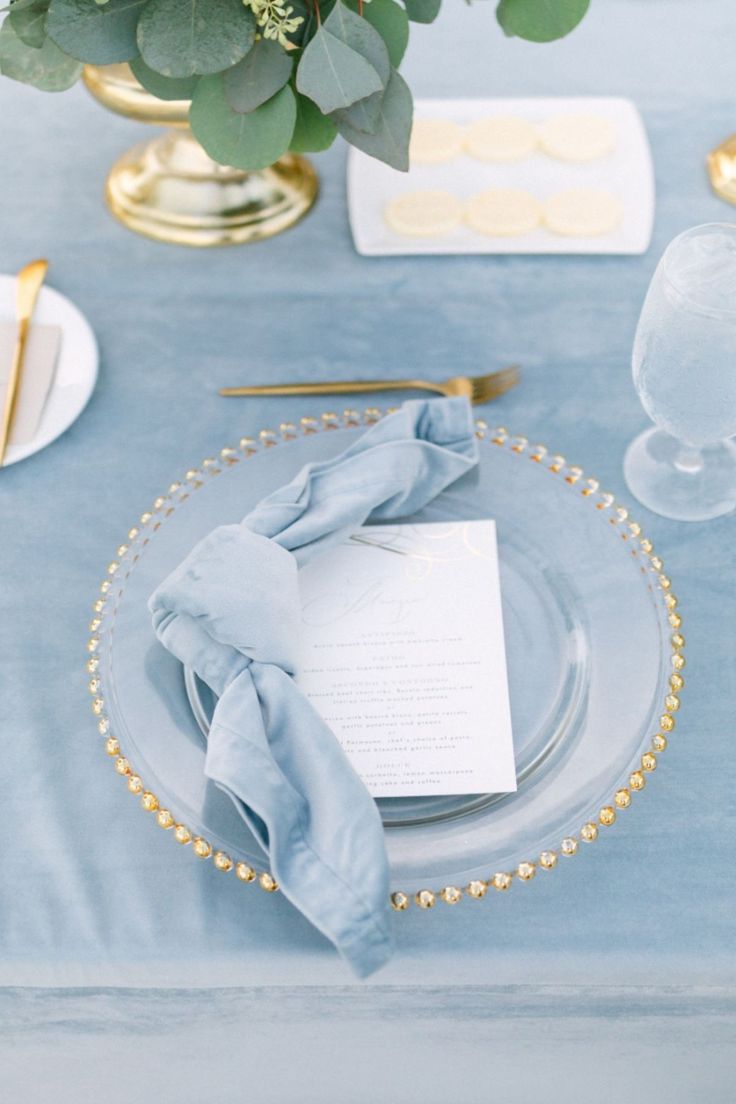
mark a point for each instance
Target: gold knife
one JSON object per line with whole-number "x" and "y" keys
{"x": 30, "y": 280}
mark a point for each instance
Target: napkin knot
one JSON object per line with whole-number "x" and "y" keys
{"x": 233, "y": 601}
{"x": 231, "y": 611}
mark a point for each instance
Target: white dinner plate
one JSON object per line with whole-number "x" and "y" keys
{"x": 626, "y": 172}
{"x": 76, "y": 371}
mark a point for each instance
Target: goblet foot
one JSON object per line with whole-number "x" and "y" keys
{"x": 681, "y": 483}
{"x": 169, "y": 189}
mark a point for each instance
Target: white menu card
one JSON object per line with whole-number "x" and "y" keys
{"x": 403, "y": 656}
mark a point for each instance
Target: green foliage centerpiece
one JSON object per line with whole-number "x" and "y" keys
{"x": 259, "y": 79}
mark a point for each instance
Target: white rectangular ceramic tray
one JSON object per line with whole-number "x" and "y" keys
{"x": 627, "y": 172}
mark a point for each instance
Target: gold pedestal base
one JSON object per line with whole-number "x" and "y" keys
{"x": 722, "y": 169}
{"x": 171, "y": 190}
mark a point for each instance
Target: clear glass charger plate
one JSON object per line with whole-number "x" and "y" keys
{"x": 594, "y": 649}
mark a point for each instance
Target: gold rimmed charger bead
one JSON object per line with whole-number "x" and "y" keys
{"x": 476, "y": 889}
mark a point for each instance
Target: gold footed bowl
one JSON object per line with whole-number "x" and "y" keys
{"x": 171, "y": 190}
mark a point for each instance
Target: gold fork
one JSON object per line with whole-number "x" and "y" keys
{"x": 479, "y": 389}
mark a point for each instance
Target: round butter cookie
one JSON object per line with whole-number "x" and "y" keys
{"x": 434, "y": 141}
{"x": 501, "y": 138}
{"x": 577, "y": 137}
{"x": 503, "y": 212}
{"x": 424, "y": 214}
{"x": 582, "y": 213}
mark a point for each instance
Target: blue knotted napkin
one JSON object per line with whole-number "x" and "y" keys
{"x": 231, "y": 612}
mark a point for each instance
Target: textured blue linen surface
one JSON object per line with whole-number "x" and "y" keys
{"x": 231, "y": 612}
{"x": 617, "y": 968}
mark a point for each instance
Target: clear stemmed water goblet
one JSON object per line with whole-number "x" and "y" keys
{"x": 684, "y": 365}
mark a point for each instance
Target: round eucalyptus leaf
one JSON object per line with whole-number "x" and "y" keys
{"x": 359, "y": 35}
{"x": 540, "y": 20}
{"x": 164, "y": 88}
{"x": 389, "y": 141}
{"x": 334, "y": 75}
{"x": 181, "y": 38}
{"x": 47, "y": 68}
{"x": 246, "y": 141}
{"x": 100, "y": 34}
{"x": 391, "y": 22}
{"x": 29, "y": 23}
{"x": 258, "y": 77}
{"x": 426, "y": 11}
{"x": 313, "y": 131}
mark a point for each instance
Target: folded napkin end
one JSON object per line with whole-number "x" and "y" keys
{"x": 368, "y": 952}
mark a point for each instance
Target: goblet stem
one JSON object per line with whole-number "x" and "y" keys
{"x": 689, "y": 460}
{"x": 680, "y": 481}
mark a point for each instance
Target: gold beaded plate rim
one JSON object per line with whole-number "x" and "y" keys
{"x": 128, "y": 552}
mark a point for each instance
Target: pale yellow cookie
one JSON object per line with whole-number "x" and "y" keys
{"x": 434, "y": 141}
{"x": 577, "y": 137}
{"x": 582, "y": 213}
{"x": 503, "y": 212}
{"x": 424, "y": 214}
{"x": 501, "y": 138}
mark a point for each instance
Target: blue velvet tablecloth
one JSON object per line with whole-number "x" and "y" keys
{"x": 129, "y": 972}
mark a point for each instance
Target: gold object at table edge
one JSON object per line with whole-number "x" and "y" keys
{"x": 479, "y": 389}
{"x": 169, "y": 189}
{"x": 29, "y": 283}
{"x": 525, "y": 871}
{"x": 721, "y": 163}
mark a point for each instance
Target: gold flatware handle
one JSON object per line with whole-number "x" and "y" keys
{"x": 335, "y": 387}
{"x": 30, "y": 280}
